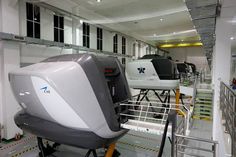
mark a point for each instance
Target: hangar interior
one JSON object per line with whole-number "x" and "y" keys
{"x": 110, "y": 78}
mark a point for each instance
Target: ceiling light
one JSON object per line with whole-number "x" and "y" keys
{"x": 173, "y": 32}
{"x": 81, "y": 21}
{"x": 154, "y": 35}
{"x": 182, "y": 40}
{"x": 98, "y": 1}
{"x": 232, "y": 38}
{"x": 161, "y": 19}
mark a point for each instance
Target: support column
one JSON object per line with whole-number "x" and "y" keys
{"x": 221, "y": 72}
{"x": 9, "y": 60}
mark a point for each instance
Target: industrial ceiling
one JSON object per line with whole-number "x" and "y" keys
{"x": 154, "y": 21}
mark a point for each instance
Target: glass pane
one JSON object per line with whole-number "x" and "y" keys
{"x": 56, "y": 34}
{"x": 123, "y": 41}
{"x": 61, "y": 22}
{"x": 29, "y": 29}
{"x": 84, "y": 41}
{"x": 101, "y": 34}
{"x": 84, "y": 28}
{"x": 116, "y": 38}
{"x": 36, "y": 13}
{"x": 100, "y": 44}
{"x": 123, "y": 60}
{"x": 88, "y": 29}
{"x": 98, "y": 33}
{"x": 62, "y": 35}
{"x": 123, "y": 49}
{"x": 114, "y": 41}
{"x": 55, "y": 21}
{"x": 29, "y": 11}
{"x": 88, "y": 42}
{"x": 36, "y": 30}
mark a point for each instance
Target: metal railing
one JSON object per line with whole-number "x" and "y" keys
{"x": 228, "y": 108}
{"x": 151, "y": 117}
{"x": 201, "y": 147}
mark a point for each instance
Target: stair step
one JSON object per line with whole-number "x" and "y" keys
{"x": 204, "y": 90}
{"x": 203, "y": 103}
{"x": 202, "y": 111}
{"x": 203, "y": 98}
{"x": 208, "y": 114}
{"x": 207, "y": 118}
{"x": 203, "y": 107}
{"x": 203, "y": 95}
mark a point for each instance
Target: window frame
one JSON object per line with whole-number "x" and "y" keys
{"x": 33, "y": 21}
{"x": 115, "y": 43}
{"x": 99, "y": 39}
{"x": 86, "y": 35}
{"x": 123, "y": 49}
{"x": 59, "y": 28}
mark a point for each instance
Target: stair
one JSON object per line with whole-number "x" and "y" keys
{"x": 203, "y": 104}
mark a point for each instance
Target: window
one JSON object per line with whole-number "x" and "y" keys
{"x": 33, "y": 20}
{"x": 58, "y": 28}
{"x": 99, "y": 38}
{"x": 123, "y": 49}
{"x": 86, "y": 31}
{"x": 134, "y": 49}
{"x": 115, "y": 43}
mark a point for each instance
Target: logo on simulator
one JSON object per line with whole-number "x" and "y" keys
{"x": 141, "y": 70}
{"x": 45, "y": 89}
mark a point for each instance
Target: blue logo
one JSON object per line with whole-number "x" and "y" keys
{"x": 141, "y": 70}
{"x": 45, "y": 89}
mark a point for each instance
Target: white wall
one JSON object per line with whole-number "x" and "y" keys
{"x": 34, "y": 53}
{"x": 221, "y": 72}
{"x": 193, "y": 55}
{"x": 9, "y": 60}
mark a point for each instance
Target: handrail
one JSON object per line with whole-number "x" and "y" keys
{"x": 228, "y": 108}
{"x": 197, "y": 139}
{"x": 163, "y": 139}
{"x": 229, "y": 88}
{"x": 181, "y": 146}
{"x": 170, "y": 120}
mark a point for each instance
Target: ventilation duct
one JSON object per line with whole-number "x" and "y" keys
{"x": 203, "y": 14}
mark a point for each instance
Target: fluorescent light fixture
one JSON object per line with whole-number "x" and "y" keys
{"x": 180, "y": 45}
{"x": 161, "y": 19}
{"x": 232, "y": 38}
{"x": 98, "y": 1}
{"x": 81, "y": 21}
{"x": 173, "y": 34}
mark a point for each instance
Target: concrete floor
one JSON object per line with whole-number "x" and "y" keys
{"x": 133, "y": 144}
{"x": 200, "y": 129}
